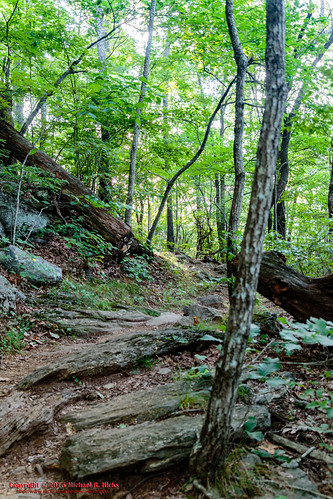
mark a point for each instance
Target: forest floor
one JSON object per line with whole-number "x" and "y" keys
{"x": 35, "y": 459}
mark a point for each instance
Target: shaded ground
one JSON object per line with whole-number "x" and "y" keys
{"x": 36, "y": 460}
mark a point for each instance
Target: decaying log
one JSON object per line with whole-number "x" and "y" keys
{"x": 111, "y": 228}
{"x": 118, "y": 354}
{"x": 301, "y": 449}
{"x": 22, "y": 416}
{"x": 303, "y": 297}
{"x": 147, "y": 447}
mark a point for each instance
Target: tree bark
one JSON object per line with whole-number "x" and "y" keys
{"x": 134, "y": 148}
{"x": 208, "y": 458}
{"x": 112, "y": 229}
{"x": 242, "y": 64}
{"x": 283, "y": 157}
{"x": 330, "y": 190}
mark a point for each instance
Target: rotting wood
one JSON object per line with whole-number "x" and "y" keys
{"x": 118, "y": 354}
{"x": 22, "y": 416}
{"x": 301, "y": 296}
{"x": 111, "y": 228}
{"x": 301, "y": 449}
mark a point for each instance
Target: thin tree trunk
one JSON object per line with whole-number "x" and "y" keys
{"x": 208, "y": 457}
{"x": 283, "y": 159}
{"x": 242, "y": 64}
{"x": 134, "y": 148}
{"x": 330, "y": 190}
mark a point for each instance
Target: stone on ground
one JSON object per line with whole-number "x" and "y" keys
{"x": 201, "y": 312}
{"x": 33, "y": 268}
{"x": 165, "y": 318}
{"x": 8, "y": 296}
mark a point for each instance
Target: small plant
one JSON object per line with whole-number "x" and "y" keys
{"x": 314, "y": 332}
{"x": 12, "y": 340}
{"x": 146, "y": 361}
{"x": 137, "y": 268}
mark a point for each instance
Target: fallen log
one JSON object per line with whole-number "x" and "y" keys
{"x": 118, "y": 354}
{"x": 301, "y": 296}
{"x": 111, "y": 228}
{"x": 146, "y": 447}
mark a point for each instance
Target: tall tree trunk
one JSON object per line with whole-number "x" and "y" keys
{"x": 283, "y": 157}
{"x": 170, "y": 228}
{"x": 208, "y": 457}
{"x": 242, "y": 64}
{"x": 220, "y": 209}
{"x": 112, "y": 229}
{"x": 220, "y": 195}
{"x": 102, "y": 49}
{"x": 330, "y": 190}
{"x": 134, "y": 148}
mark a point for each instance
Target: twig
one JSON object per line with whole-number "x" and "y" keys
{"x": 301, "y": 449}
{"x": 259, "y": 355}
{"x": 206, "y": 493}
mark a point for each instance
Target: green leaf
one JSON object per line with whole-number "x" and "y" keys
{"x": 330, "y": 412}
{"x": 250, "y": 424}
{"x": 33, "y": 151}
{"x": 208, "y": 337}
{"x": 274, "y": 382}
{"x": 269, "y": 366}
{"x": 287, "y": 334}
{"x": 290, "y": 347}
{"x": 255, "y": 435}
{"x": 143, "y": 79}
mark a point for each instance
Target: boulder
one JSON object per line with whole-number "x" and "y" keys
{"x": 28, "y": 219}
{"x": 211, "y": 301}
{"x": 201, "y": 312}
{"x": 8, "y": 296}
{"x": 34, "y": 268}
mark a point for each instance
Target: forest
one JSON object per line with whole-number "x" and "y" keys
{"x": 166, "y": 248}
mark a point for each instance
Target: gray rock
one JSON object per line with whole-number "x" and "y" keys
{"x": 222, "y": 269}
{"x": 203, "y": 313}
{"x": 28, "y": 219}
{"x": 242, "y": 413}
{"x": 250, "y": 461}
{"x": 95, "y": 322}
{"x": 8, "y": 295}
{"x": 34, "y": 268}
{"x": 2, "y": 231}
{"x": 148, "y": 446}
{"x": 118, "y": 354}
{"x": 292, "y": 483}
{"x": 165, "y": 318}
{"x": 137, "y": 407}
{"x": 268, "y": 394}
{"x": 211, "y": 301}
